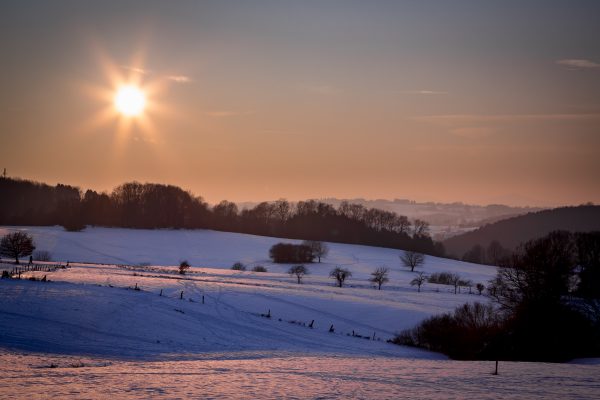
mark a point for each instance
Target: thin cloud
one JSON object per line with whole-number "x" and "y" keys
{"x": 136, "y": 69}
{"x": 578, "y": 63}
{"x": 424, "y": 92}
{"x": 458, "y": 118}
{"x": 179, "y": 78}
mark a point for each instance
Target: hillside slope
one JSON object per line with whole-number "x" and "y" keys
{"x": 514, "y": 231}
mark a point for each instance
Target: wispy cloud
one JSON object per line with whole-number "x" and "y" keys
{"x": 424, "y": 92}
{"x": 578, "y": 63}
{"x": 137, "y": 70}
{"x": 477, "y": 126}
{"x": 457, "y": 118}
{"x": 179, "y": 78}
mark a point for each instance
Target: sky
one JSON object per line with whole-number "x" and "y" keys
{"x": 474, "y": 101}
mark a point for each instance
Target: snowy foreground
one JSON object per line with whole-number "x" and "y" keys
{"x": 89, "y": 333}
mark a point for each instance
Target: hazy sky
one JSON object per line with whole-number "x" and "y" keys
{"x": 473, "y": 101}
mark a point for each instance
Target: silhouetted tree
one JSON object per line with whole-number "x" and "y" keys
{"x": 340, "y": 275}
{"x": 475, "y": 255}
{"x": 588, "y": 259}
{"x": 318, "y": 249}
{"x": 419, "y": 280}
{"x": 480, "y": 288}
{"x": 420, "y": 228}
{"x": 380, "y": 276}
{"x": 183, "y": 267}
{"x": 412, "y": 259}
{"x": 495, "y": 253}
{"x": 299, "y": 271}
{"x": 16, "y": 244}
{"x": 455, "y": 281}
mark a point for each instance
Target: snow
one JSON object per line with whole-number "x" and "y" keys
{"x": 105, "y": 338}
{"x": 216, "y": 249}
{"x": 276, "y": 376}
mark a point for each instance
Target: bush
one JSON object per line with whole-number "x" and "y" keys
{"x": 73, "y": 226}
{"x": 259, "y": 268}
{"x": 468, "y": 333}
{"x": 183, "y": 267}
{"x": 238, "y": 266}
{"x": 291, "y": 253}
{"x": 443, "y": 278}
{"x": 42, "y": 255}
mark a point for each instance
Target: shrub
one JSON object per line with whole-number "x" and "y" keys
{"x": 470, "y": 332}
{"x": 291, "y": 253}
{"x": 443, "y": 278}
{"x": 238, "y": 266}
{"x": 259, "y": 268}
{"x": 73, "y": 226}
{"x": 183, "y": 267}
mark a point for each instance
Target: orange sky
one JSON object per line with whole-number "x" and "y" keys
{"x": 344, "y": 99}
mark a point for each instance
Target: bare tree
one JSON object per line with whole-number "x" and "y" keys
{"x": 419, "y": 280}
{"x": 480, "y": 288}
{"x": 318, "y": 249}
{"x": 495, "y": 253}
{"x": 420, "y": 227}
{"x": 455, "y": 281}
{"x": 299, "y": 271}
{"x": 380, "y": 276}
{"x": 412, "y": 259}
{"x": 16, "y": 244}
{"x": 340, "y": 275}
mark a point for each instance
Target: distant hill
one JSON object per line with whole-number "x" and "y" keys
{"x": 513, "y": 231}
{"x": 455, "y": 215}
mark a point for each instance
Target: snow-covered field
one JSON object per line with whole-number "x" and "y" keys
{"x": 206, "y": 334}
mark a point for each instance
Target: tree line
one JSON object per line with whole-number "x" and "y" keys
{"x": 151, "y": 206}
{"x": 545, "y": 307}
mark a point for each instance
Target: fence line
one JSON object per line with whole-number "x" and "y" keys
{"x": 19, "y": 269}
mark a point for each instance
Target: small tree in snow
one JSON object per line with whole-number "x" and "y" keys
{"x": 340, "y": 275}
{"x": 318, "y": 249}
{"x": 380, "y": 276}
{"x": 412, "y": 259}
{"x": 183, "y": 267}
{"x": 16, "y": 244}
{"x": 455, "y": 281}
{"x": 299, "y": 271}
{"x": 238, "y": 266}
{"x": 480, "y": 288}
{"x": 419, "y": 280}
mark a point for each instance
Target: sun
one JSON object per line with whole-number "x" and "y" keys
{"x": 130, "y": 101}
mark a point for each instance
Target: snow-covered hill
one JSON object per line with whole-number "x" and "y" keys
{"x": 214, "y": 249}
{"x": 89, "y": 333}
{"x": 234, "y": 300}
